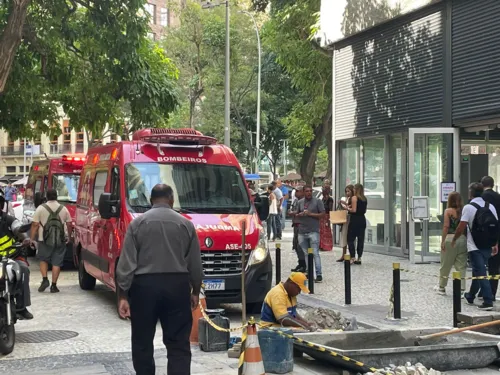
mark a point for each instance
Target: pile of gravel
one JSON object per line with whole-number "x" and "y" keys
{"x": 408, "y": 369}
{"x": 329, "y": 319}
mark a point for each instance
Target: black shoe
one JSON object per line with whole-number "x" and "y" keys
{"x": 319, "y": 279}
{"x": 301, "y": 269}
{"x": 24, "y": 315}
{"x": 470, "y": 301}
{"x": 54, "y": 288}
{"x": 485, "y": 306}
{"x": 296, "y": 269}
{"x": 44, "y": 285}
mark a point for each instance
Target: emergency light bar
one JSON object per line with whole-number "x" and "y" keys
{"x": 73, "y": 158}
{"x": 173, "y": 136}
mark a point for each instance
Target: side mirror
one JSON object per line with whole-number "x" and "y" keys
{"x": 262, "y": 206}
{"x": 108, "y": 208}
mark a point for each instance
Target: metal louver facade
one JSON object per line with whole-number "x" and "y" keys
{"x": 476, "y": 59}
{"x": 391, "y": 78}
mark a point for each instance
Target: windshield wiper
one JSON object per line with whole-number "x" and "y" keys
{"x": 184, "y": 211}
{"x": 140, "y": 205}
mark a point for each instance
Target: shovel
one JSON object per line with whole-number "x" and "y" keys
{"x": 421, "y": 340}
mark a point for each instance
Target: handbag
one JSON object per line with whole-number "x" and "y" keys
{"x": 338, "y": 217}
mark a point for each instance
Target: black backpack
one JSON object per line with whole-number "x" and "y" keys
{"x": 485, "y": 228}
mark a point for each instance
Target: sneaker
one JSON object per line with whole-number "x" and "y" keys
{"x": 319, "y": 279}
{"x": 468, "y": 299}
{"x": 44, "y": 285}
{"x": 54, "y": 288}
{"x": 485, "y": 306}
{"x": 440, "y": 291}
{"x": 24, "y": 315}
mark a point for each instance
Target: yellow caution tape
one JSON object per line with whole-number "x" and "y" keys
{"x": 215, "y": 326}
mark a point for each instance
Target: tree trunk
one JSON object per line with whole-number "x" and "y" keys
{"x": 11, "y": 39}
{"x": 329, "y": 147}
{"x": 308, "y": 160}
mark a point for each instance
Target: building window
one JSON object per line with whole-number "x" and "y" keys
{"x": 151, "y": 9}
{"x": 164, "y": 17}
{"x": 11, "y": 170}
{"x": 66, "y": 131}
{"x": 349, "y": 169}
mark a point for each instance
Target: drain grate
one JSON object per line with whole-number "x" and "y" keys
{"x": 35, "y": 337}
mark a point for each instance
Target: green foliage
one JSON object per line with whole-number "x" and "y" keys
{"x": 95, "y": 61}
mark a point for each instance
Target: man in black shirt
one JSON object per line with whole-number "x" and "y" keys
{"x": 492, "y": 197}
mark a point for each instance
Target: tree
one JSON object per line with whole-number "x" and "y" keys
{"x": 92, "y": 58}
{"x": 290, "y": 34}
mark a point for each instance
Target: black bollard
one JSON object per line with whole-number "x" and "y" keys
{"x": 396, "y": 280}
{"x": 278, "y": 263}
{"x": 347, "y": 278}
{"x": 310, "y": 269}
{"x": 457, "y": 297}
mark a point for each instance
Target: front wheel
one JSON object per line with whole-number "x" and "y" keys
{"x": 7, "y": 338}
{"x": 86, "y": 281}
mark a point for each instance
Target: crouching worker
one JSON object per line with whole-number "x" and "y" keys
{"x": 280, "y": 305}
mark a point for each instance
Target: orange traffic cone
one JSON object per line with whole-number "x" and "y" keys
{"x": 193, "y": 338}
{"x": 251, "y": 357}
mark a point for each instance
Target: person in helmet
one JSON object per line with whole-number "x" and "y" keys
{"x": 9, "y": 231}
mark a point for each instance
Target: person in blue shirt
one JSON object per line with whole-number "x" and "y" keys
{"x": 284, "y": 202}
{"x": 9, "y": 192}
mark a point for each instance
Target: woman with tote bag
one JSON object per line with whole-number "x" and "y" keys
{"x": 344, "y": 204}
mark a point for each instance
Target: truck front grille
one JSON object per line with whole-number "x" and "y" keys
{"x": 222, "y": 262}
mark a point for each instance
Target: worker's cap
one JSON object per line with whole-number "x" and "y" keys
{"x": 300, "y": 278}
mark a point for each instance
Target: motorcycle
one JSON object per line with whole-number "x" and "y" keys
{"x": 10, "y": 284}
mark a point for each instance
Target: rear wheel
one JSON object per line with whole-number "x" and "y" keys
{"x": 7, "y": 338}
{"x": 86, "y": 281}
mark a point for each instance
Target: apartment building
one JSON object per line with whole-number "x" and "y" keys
{"x": 12, "y": 151}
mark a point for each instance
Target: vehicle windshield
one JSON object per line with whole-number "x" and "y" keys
{"x": 199, "y": 188}
{"x": 66, "y": 186}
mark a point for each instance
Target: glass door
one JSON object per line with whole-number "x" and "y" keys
{"x": 433, "y": 158}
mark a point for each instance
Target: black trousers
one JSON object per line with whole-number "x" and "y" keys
{"x": 23, "y": 299}
{"x": 494, "y": 269}
{"x": 164, "y": 297}
{"x": 296, "y": 246}
{"x": 356, "y": 230}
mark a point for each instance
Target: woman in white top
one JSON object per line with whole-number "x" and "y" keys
{"x": 344, "y": 204}
{"x": 273, "y": 213}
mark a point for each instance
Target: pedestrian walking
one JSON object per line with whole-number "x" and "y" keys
{"x": 279, "y": 198}
{"x": 481, "y": 219}
{"x": 160, "y": 272}
{"x": 344, "y": 204}
{"x": 452, "y": 255}
{"x": 52, "y": 229}
{"x": 284, "y": 203}
{"x": 325, "y": 229}
{"x": 357, "y": 224}
{"x": 272, "y": 218}
{"x": 9, "y": 192}
{"x": 309, "y": 211}
{"x": 492, "y": 197}
{"x": 301, "y": 265}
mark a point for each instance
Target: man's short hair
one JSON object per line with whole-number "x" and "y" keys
{"x": 162, "y": 191}
{"x": 52, "y": 195}
{"x": 476, "y": 189}
{"x": 299, "y": 188}
{"x": 274, "y": 183}
{"x": 488, "y": 181}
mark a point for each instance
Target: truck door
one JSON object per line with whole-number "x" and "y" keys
{"x": 110, "y": 240}
{"x": 95, "y": 221}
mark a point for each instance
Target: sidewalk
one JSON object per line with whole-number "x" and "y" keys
{"x": 371, "y": 285}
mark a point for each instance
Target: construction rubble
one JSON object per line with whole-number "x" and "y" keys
{"x": 330, "y": 320}
{"x": 408, "y": 369}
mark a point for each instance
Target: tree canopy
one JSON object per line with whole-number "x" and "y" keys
{"x": 91, "y": 58}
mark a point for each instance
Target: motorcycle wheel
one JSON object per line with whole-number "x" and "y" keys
{"x": 7, "y": 338}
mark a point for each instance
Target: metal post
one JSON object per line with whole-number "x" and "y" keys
{"x": 310, "y": 269}
{"x": 24, "y": 162}
{"x": 278, "y": 263}
{"x": 457, "y": 297}
{"x": 243, "y": 292}
{"x": 227, "y": 83}
{"x": 347, "y": 278}
{"x": 396, "y": 279}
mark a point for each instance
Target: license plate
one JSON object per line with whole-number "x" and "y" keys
{"x": 214, "y": 284}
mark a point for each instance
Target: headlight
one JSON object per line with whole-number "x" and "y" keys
{"x": 260, "y": 253}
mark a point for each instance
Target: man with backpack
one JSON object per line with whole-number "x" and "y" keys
{"x": 49, "y": 222}
{"x": 481, "y": 221}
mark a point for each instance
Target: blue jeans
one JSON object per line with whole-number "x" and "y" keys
{"x": 283, "y": 218}
{"x": 479, "y": 260}
{"x": 311, "y": 240}
{"x": 271, "y": 225}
